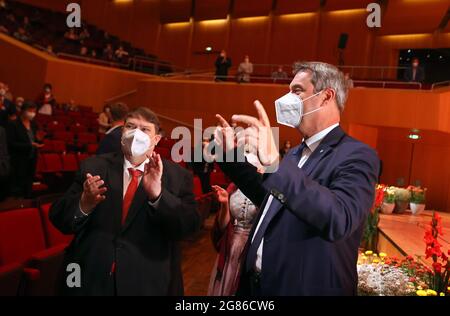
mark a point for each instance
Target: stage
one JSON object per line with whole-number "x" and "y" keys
{"x": 401, "y": 235}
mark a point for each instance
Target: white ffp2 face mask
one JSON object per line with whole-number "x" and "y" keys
{"x": 136, "y": 142}
{"x": 289, "y": 109}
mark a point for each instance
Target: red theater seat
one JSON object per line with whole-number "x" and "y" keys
{"x": 53, "y": 236}
{"x": 52, "y": 163}
{"x": 64, "y": 136}
{"x": 87, "y": 138}
{"x": 219, "y": 178}
{"x": 69, "y": 162}
{"x": 10, "y": 277}
{"x": 197, "y": 187}
{"x": 21, "y": 235}
{"x": 81, "y": 157}
{"x": 92, "y": 149}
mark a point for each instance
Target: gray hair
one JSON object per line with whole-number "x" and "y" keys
{"x": 325, "y": 76}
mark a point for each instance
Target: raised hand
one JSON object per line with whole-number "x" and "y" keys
{"x": 221, "y": 194}
{"x": 259, "y": 135}
{"x": 93, "y": 193}
{"x": 151, "y": 180}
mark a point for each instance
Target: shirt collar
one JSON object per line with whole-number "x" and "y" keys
{"x": 314, "y": 141}
{"x": 112, "y": 128}
{"x": 141, "y": 167}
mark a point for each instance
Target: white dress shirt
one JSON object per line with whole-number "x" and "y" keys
{"x": 311, "y": 145}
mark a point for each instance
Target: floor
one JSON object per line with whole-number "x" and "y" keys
{"x": 199, "y": 257}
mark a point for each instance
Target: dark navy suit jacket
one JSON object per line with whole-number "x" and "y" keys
{"x": 111, "y": 143}
{"x": 311, "y": 244}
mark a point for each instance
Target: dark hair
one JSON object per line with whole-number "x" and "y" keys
{"x": 118, "y": 111}
{"x": 28, "y": 105}
{"x": 146, "y": 114}
{"x": 48, "y": 85}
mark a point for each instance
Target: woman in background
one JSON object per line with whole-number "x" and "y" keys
{"x": 230, "y": 233}
{"x": 104, "y": 120}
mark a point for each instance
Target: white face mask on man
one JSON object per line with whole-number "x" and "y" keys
{"x": 135, "y": 143}
{"x": 289, "y": 109}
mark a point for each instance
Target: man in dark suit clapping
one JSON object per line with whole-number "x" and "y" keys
{"x": 127, "y": 210}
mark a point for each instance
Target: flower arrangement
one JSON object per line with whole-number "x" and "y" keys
{"x": 389, "y": 195}
{"x": 441, "y": 264}
{"x": 379, "y": 274}
{"x": 370, "y": 235}
{"x": 417, "y": 194}
{"x": 402, "y": 195}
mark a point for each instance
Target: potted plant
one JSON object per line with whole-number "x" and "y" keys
{"x": 389, "y": 201}
{"x": 417, "y": 201}
{"x": 402, "y": 197}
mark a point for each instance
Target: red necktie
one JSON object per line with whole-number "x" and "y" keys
{"x": 131, "y": 190}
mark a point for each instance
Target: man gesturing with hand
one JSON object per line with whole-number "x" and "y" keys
{"x": 315, "y": 202}
{"x": 127, "y": 211}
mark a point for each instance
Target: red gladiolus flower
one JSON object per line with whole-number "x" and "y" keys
{"x": 437, "y": 267}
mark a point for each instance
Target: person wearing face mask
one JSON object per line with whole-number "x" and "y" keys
{"x": 128, "y": 210}
{"x": 415, "y": 73}
{"x": 223, "y": 64}
{"x": 23, "y": 143}
{"x": 230, "y": 232}
{"x": 314, "y": 203}
{"x": 46, "y": 101}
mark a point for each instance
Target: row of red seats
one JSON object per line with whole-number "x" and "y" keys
{"x": 31, "y": 252}
{"x": 53, "y": 163}
{"x": 60, "y": 146}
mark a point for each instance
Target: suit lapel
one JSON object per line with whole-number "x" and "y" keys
{"x": 325, "y": 147}
{"x": 115, "y": 189}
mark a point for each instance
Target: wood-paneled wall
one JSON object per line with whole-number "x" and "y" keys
{"x": 276, "y": 37}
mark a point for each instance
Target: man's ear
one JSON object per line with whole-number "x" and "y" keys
{"x": 157, "y": 139}
{"x": 330, "y": 94}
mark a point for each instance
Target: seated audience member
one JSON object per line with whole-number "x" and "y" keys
{"x": 349, "y": 81}
{"x": 104, "y": 119}
{"x": 26, "y": 25}
{"x": 108, "y": 53}
{"x": 245, "y": 70}
{"x": 93, "y": 53}
{"x": 22, "y": 35}
{"x": 133, "y": 200}
{"x": 5, "y": 166}
{"x": 7, "y": 108}
{"x": 23, "y": 146}
{"x": 121, "y": 54}
{"x": 72, "y": 106}
{"x": 230, "y": 233}
{"x": 415, "y": 72}
{"x": 49, "y": 50}
{"x": 84, "y": 51}
{"x": 84, "y": 34}
{"x": 286, "y": 148}
{"x": 112, "y": 140}
{"x": 46, "y": 101}
{"x": 71, "y": 35}
{"x": 279, "y": 75}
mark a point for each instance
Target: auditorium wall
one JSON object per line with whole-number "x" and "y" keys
{"x": 270, "y": 38}
{"x": 27, "y": 69}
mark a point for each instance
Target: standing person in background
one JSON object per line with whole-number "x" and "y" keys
{"x": 104, "y": 119}
{"x": 280, "y": 75}
{"x": 245, "y": 70}
{"x": 7, "y": 108}
{"x": 223, "y": 63}
{"x": 230, "y": 233}
{"x": 415, "y": 73}
{"x": 46, "y": 101}
{"x": 112, "y": 141}
{"x": 23, "y": 146}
